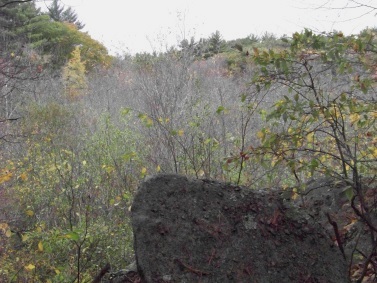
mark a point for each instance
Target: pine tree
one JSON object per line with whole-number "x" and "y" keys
{"x": 216, "y": 43}
{"x": 12, "y": 17}
{"x": 59, "y": 14}
{"x": 55, "y": 11}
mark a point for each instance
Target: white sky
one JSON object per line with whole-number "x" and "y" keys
{"x": 147, "y": 25}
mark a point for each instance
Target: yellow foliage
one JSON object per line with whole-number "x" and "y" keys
{"x": 274, "y": 160}
{"x": 354, "y": 118}
{"x": 280, "y": 103}
{"x": 298, "y": 143}
{"x": 30, "y": 267}
{"x": 93, "y": 52}
{"x": 24, "y": 237}
{"x": 163, "y": 120}
{"x": 5, "y": 176}
{"x": 4, "y": 227}
{"x": 23, "y": 176}
{"x": 8, "y": 233}
{"x": 305, "y": 118}
{"x": 74, "y": 75}
{"x": 295, "y": 195}
{"x": 40, "y": 246}
{"x": 310, "y": 137}
{"x": 260, "y": 135}
{"x": 149, "y": 122}
{"x": 109, "y": 169}
{"x": 323, "y": 158}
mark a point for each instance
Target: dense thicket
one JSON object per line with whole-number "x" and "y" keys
{"x": 79, "y": 130}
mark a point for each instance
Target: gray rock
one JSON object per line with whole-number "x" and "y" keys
{"x": 205, "y": 231}
{"x": 326, "y": 198}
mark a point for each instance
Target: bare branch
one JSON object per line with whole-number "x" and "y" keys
{"x": 15, "y": 2}
{"x": 9, "y": 119}
{"x": 363, "y": 5}
{"x": 352, "y": 4}
{"x": 356, "y": 6}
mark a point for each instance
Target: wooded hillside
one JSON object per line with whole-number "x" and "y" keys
{"x": 79, "y": 129}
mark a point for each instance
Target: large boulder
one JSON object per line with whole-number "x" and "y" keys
{"x": 205, "y": 231}
{"x": 326, "y": 201}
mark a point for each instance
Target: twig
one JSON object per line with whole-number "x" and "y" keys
{"x": 213, "y": 253}
{"x": 337, "y": 235}
{"x": 192, "y": 269}
{"x": 366, "y": 264}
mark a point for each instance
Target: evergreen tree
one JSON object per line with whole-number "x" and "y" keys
{"x": 216, "y": 43}
{"x": 13, "y": 16}
{"x": 5, "y": 24}
{"x": 59, "y": 14}
{"x": 55, "y": 11}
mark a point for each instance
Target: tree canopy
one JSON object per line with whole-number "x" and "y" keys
{"x": 58, "y": 13}
{"x": 24, "y": 24}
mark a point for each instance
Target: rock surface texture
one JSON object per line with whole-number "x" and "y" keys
{"x": 204, "y": 231}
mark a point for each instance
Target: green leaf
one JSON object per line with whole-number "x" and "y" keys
{"x": 296, "y": 97}
{"x": 348, "y": 191}
{"x": 72, "y": 236}
{"x": 243, "y": 97}
{"x": 314, "y": 164}
{"x": 220, "y": 109}
{"x": 284, "y": 66}
{"x": 142, "y": 116}
{"x": 125, "y": 111}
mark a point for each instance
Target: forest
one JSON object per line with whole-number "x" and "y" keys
{"x": 80, "y": 129}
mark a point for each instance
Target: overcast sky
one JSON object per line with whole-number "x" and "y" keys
{"x": 146, "y": 25}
